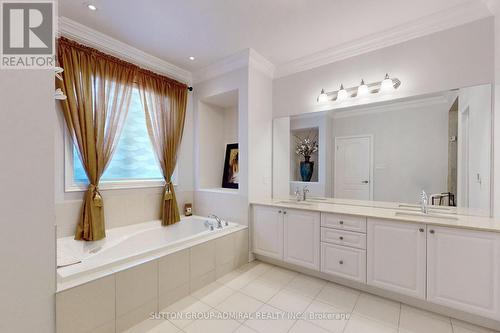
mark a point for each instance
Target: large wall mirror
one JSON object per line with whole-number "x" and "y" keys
{"x": 387, "y": 153}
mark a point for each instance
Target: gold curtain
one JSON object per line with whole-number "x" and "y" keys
{"x": 98, "y": 89}
{"x": 164, "y": 102}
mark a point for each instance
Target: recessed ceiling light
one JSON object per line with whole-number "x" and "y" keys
{"x": 191, "y": 58}
{"x": 92, "y": 7}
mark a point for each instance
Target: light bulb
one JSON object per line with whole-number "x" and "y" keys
{"x": 363, "y": 89}
{"x": 387, "y": 85}
{"x": 342, "y": 93}
{"x": 92, "y": 7}
{"x": 323, "y": 97}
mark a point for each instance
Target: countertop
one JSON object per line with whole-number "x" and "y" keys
{"x": 390, "y": 211}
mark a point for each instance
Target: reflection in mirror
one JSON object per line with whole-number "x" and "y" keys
{"x": 386, "y": 154}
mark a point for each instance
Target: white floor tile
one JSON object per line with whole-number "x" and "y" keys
{"x": 214, "y": 325}
{"x": 378, "y": 308}
{"x": 239, "y": 302}
{"x": 154, "y": 326}
{"x": 339, "y": 296}
{"x": 326, "y": 316}
{"x": 360, "y": 324}
{"x": 290, "y": 300}
{"x": 236, "y": 279}
{"x": 463, "y": 327}
{"x": 213, "y": 294}
{"x": 414, "y": 320}
{"x": 263, "y": 290}
{"x": 186, "y": 307}
{"x": 279, "y": 276}
{"x": 302, "y": 326}
{"x": 270, "y": 320}
{"x": 256, "y": 268}
{"x": 307, "y": 285}
{"x": 244, "y": 329}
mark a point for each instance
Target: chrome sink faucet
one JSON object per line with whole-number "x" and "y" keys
{"x": 424, "y": 203}
{"x": 297, "y": 194}
{"x": 305, "y": 190}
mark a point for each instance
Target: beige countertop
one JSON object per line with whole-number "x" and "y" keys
{"x": 406, "y": 213}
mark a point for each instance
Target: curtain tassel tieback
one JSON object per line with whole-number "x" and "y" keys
{"x": 168, "y": 195}
{"x": 96, "y": 195}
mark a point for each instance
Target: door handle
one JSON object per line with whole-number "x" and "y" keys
{"x": 365, "y": 182}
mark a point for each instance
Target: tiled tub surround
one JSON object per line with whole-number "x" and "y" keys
{"x": 116, "y": 297}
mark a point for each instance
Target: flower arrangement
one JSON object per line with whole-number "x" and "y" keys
{"x": 306, "y": 146}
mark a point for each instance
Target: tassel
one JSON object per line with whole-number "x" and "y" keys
{"x": 168, "y": 192}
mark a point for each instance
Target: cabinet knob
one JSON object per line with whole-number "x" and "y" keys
{"x": 431, "y": 231}
{"x": 421, "y": 229}
{"x": 341, "y": 238}
{"x": 341, "y": 262}
{"x": 284, "y": 212}
{"x": 279, "y": 211}
{"x": 341, "y": 222}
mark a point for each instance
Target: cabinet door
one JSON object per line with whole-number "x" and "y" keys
{"x": 268, "y": 231}
{"x": 396, "y": 256}
{"x": 464, "y": 270}
{"x": 302, "y": 231}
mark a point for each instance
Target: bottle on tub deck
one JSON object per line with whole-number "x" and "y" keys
{"x": 188, "y": 209}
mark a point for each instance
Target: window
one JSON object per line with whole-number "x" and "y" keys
{"x": 133, "y": 164}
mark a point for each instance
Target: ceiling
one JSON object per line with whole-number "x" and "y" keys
{"x": 210, "y": 30}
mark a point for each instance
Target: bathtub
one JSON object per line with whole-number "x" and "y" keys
{"x": 125, "y": 247}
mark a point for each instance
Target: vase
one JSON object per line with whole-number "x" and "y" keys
{"x": 306, "y": 169}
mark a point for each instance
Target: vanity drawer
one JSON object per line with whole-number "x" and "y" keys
{"x": 342, "y": 237}
{"x": 343, "y": 261}
{"x": 345, "y": 222}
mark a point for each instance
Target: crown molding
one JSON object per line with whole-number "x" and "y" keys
{"x": 90, "y": 37}
{"x": 243, "y": 59}
{"x": 446, "y": 19}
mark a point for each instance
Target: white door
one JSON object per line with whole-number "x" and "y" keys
{"x": 463, "y": 270}
{"x": 396, "y": 256}
{"x": 353, "y": 168}
{"x": 301, "y": 239}
{"x": 268, "y": 231}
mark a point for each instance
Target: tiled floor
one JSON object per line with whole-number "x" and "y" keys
{"x": 259, "y": 288}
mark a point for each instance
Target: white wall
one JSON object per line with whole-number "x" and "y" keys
{"x": 125, "y": 206}
{"x": 27, "y": 240}
{"x": 458, "y": 57}
{"x": 231, "y": 205}
{"x": 259, "y": 132}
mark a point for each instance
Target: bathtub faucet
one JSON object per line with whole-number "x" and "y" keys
{"x": 218, "y": 219}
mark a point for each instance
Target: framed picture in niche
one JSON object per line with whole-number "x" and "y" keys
{"x": 231, "y": 167}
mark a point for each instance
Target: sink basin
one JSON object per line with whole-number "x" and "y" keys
{"x": 429, "y": 215}
{"x": 292, "y": 202}
{"x": 417, "y": 208}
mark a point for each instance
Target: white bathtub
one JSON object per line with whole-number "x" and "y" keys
{"x": 129, "y": 246}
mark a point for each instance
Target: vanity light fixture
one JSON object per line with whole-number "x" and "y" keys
{"x": 323, "y": 97}
{"x": 363, "y": 90}
{"x": 342, "y": 93}
{"x": 387, "y": 85}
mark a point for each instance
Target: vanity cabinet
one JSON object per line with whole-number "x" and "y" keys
{"x": 301, "y": 238}
{"x": 290, "y": 235}
{"x": 268, "y": 231}
{"x": 396, "y": 256}
{"x": 463, "y": 270}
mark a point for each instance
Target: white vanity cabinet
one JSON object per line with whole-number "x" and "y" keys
{"x": 463, "y": 270}
{"x": 290, "y": 235}
{"x": 396, "y": 256}
{"x": 268, "y": 231}
{"x": 301, "y": 239}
